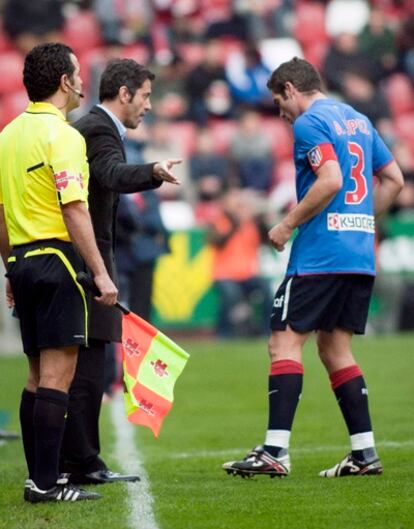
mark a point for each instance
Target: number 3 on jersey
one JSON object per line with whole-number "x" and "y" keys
{"x": 361, "y": 189}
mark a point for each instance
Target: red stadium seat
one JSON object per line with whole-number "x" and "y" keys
{"x": 315, "y": 53}
{"x": 184, "y": 133}
{"x": 11, "y": 68}
{"x": 222, "y": 132}
{"x": 138, "y": 52}
{"x": 284, "y": 172}
{"x": 82, "y": 31}
{"x": 86, "y": 60}
{"x": 11, "y": 105}
{"x": 309, "y": 23}
{"x": 280, "y": 134}
{"x": 404, "y": 127}
{"x": 5, "y": 43}
{"x": 191, "y": 53}
{"x": 400, "y": 94}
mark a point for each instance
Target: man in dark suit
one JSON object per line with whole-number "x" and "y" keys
{"x": 125, "y": 91}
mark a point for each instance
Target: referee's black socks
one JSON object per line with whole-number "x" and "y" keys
{"x": 49, "y": 424}
{"x": 26, "y": 423}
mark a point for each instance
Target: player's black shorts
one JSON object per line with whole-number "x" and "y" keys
{"x": 322, "y": 302}
{"x": 50, "y": 305}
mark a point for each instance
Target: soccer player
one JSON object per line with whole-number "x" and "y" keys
{"x": 331, "y": 270}
{"x": 45, "y": 231}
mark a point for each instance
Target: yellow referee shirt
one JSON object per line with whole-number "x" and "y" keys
{"x": 42, "y": 166}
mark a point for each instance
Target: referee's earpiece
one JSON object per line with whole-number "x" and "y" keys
{"x": 77, "y": 92}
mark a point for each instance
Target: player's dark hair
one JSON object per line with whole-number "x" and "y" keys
{"x": 43, "y": 68}
{"x": 122, "y": 72}
{"x": 300, "y": 73}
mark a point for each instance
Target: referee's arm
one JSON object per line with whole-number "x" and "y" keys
{"x": 80, "y": 229}
{"x": 4, "y": 237}
{"x": 5, "y": 251}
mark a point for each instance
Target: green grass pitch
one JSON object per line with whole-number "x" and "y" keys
{"x": 220, "y": 412}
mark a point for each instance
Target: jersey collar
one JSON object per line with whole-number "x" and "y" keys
{"x": 41, "y": 107}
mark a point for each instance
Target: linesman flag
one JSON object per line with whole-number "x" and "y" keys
{"x": 151, "y": 364}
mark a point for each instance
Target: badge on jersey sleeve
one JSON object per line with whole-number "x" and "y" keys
{"x": 320, "y": 154}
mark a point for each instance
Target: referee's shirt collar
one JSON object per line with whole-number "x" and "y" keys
{"x": 119, "y": 125}
{"x": 42, "y": 107}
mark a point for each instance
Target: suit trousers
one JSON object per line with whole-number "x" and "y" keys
{"x": 81, "y": 446}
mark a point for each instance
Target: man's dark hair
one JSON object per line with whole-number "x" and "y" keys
{"x": 300, "y": 73}
{"x": 122, "y": 72}
{"x": 43, "y": 68}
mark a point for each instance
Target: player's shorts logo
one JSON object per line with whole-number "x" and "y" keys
{"x": 351, "y": 222}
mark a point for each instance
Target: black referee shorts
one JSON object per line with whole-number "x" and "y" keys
{"x": 322, "y": 302}
{"x": 50, "y": 304}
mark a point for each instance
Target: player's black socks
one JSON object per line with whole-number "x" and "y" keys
{"x": 49, "y": 423}
{"x": 352, "y": 396}
{"x": 28, "y": 434}
{"x": 285, "y": 387}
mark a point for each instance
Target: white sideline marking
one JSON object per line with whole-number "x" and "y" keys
{"x": 140, "y": 499}
{"x": 303, "y": 450}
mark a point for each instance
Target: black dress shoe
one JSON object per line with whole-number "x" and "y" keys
{"x": 101, "y": 477}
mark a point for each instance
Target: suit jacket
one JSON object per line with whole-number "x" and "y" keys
{"x": 109, "y": 176}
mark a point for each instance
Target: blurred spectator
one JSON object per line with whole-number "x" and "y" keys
{"x": 123, "y": 21}
{"x": 406, "y": 46}
{"x": 206, "y": 85}
{"x": 209, "y": 172}
{"x": 234, "y": 25}
{"x": 247, "y": 77}
{"x": 168, "y": 95}
{"x": 343, "y": 56}
{"x": 207, "y": 163}
{"x": 378, "y": 41}
{"x": 162, "y": 143}
{"x": 251, "y": 152}
{"x": 405, "y": 158}
{"x": 236, "y": 237}
{"x": 141, "y": 239}
{"x": 266, "y": 18}
{"x": 360, "y": 92}
{"x": 28, "y": 23}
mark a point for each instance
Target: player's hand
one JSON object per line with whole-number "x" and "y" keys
{"x": 109, "y": 292}
{"x": 9, "y": 295}
{"x": 279, "y": 235}
{"x": 162, "y": 171}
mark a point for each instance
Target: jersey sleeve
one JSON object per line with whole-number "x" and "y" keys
{"x": 313, "y": 141}
{"x": 69, "y": 165}
{"x": 381, "y": 155}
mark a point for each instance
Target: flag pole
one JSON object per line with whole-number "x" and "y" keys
{"x": 87, "y": 282}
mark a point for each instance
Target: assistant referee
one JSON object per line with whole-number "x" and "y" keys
{"x": 45, "y": 231}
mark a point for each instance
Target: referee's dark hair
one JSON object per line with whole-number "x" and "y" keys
{"x": 304, "y": 77}
{"x": 43, "y": 68}
{"x": 122, "y": 72}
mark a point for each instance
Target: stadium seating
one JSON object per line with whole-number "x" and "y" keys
{"x": 11, "y": 105}
{"x": 11, "y": 67}
{"x": 280, "y": 134}
{"x": 400, "y": 94}
{"x": 309, "y": 23}
{"x": 222, "y": 132}
{"x": 185, "y": 132}
{"x": 405, "y": 129}
{"x": 82, "y": 31}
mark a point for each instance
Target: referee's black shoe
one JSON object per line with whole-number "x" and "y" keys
{"x": 100, "y": 477}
